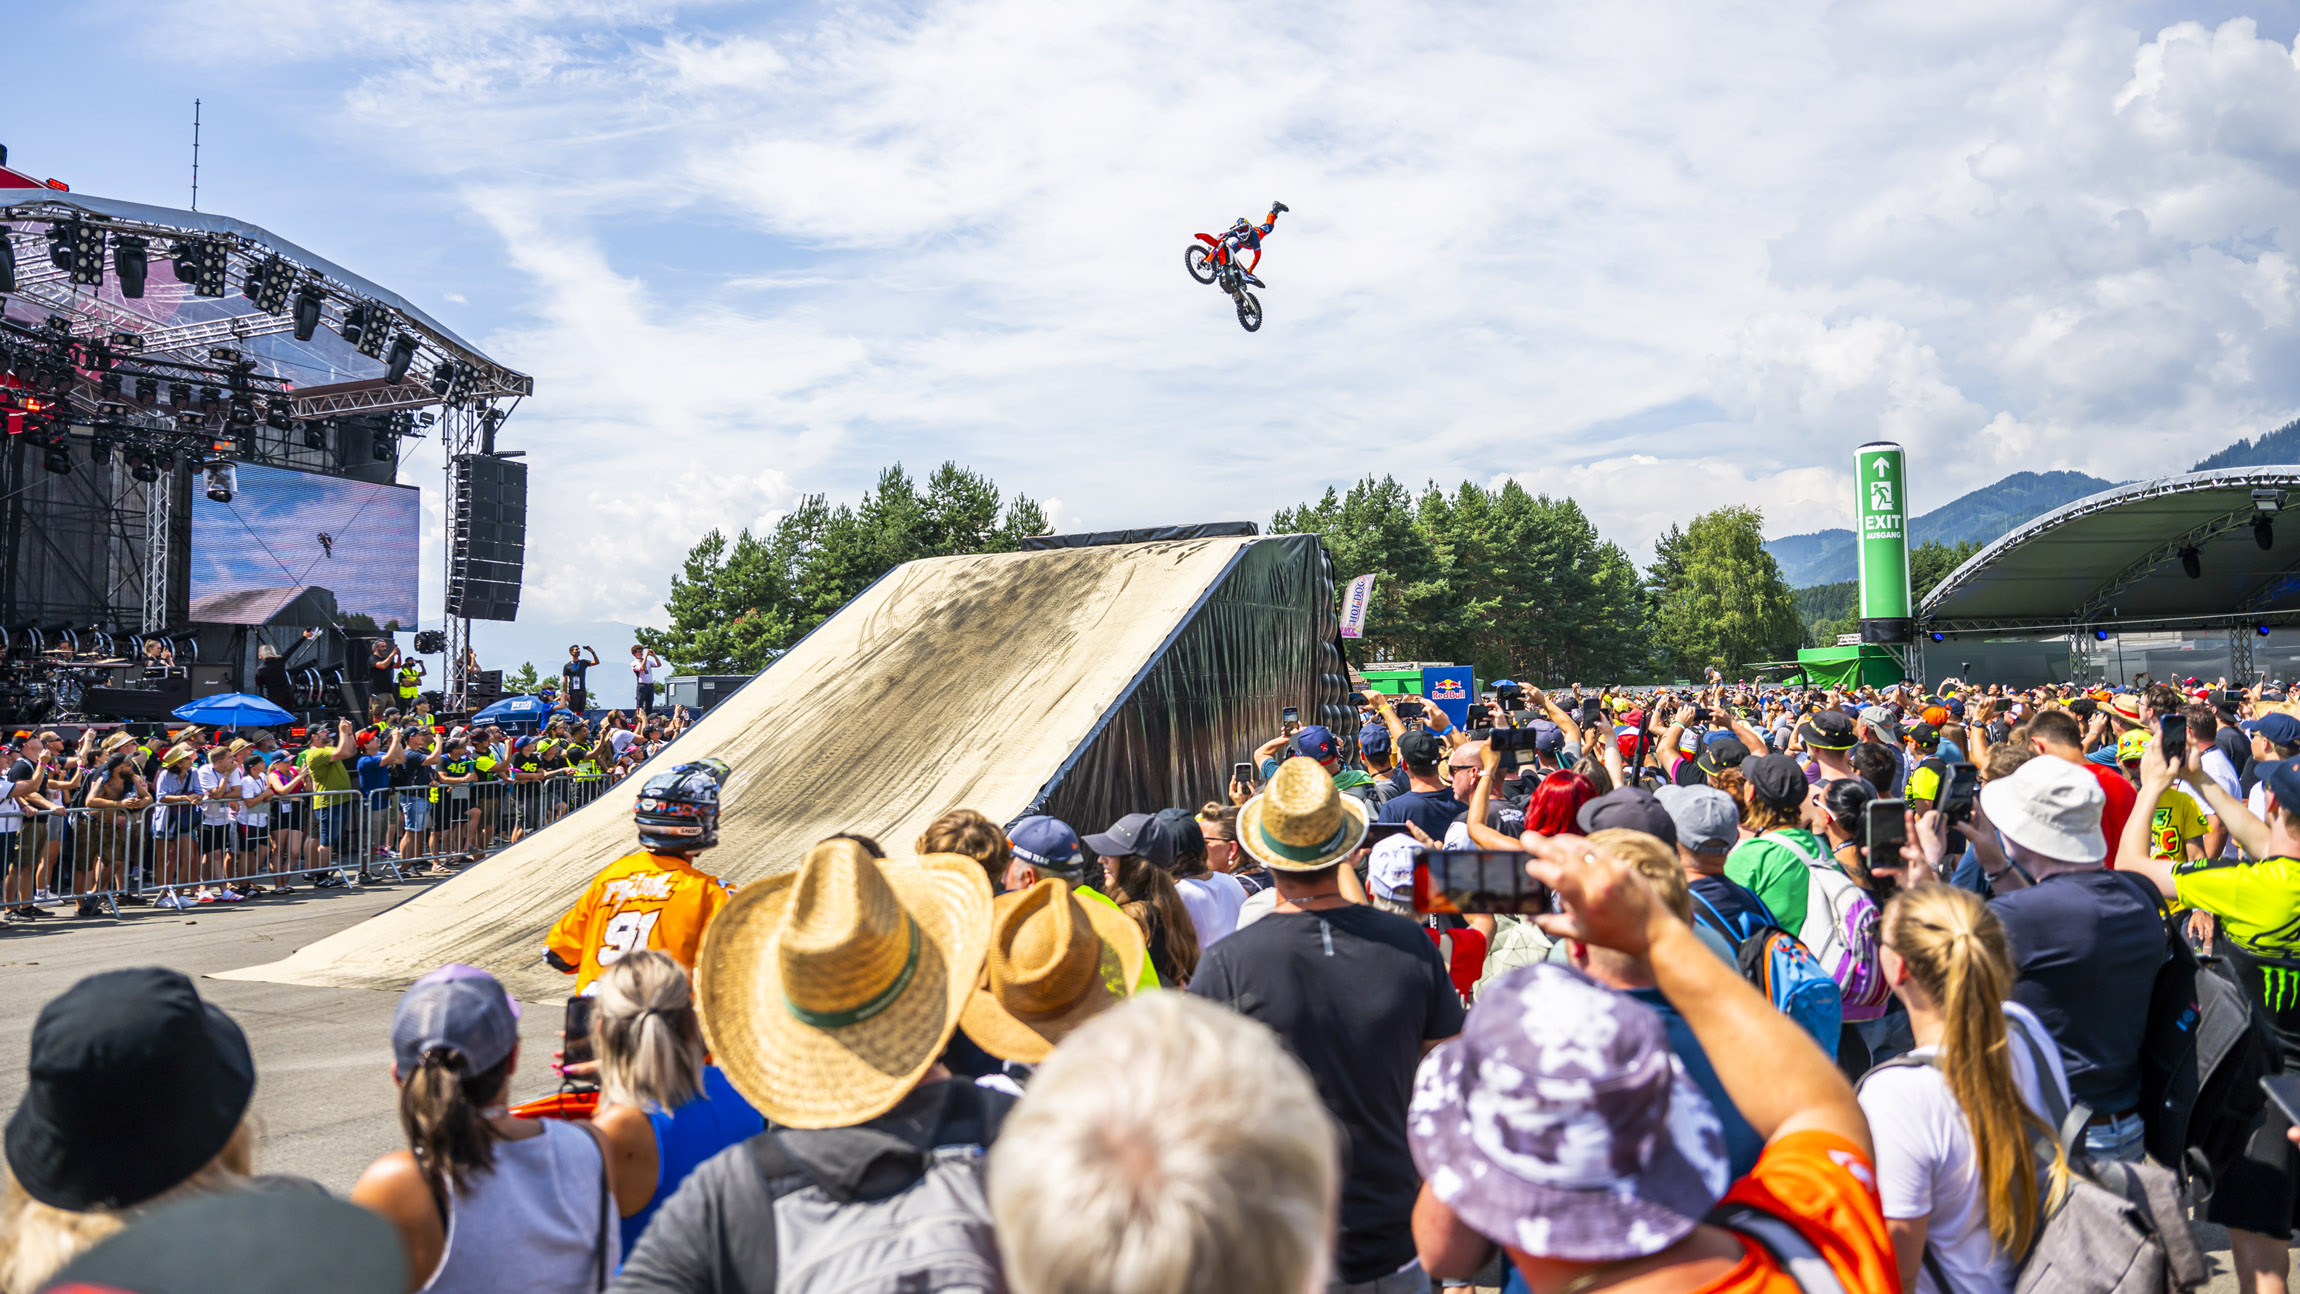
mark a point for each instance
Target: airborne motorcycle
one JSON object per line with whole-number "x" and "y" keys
{"x": 1216, "y": 259}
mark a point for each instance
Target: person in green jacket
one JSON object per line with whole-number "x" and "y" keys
{"x": 1777, "y": 861}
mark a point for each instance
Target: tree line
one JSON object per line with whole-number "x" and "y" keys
{"x": 1515, "y": 583}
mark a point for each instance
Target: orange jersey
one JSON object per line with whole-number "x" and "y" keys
{"x": 1827, "y": 1189}
{"x": 645, "y": 900}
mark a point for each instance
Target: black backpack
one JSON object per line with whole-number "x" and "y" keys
{"x": 2201, "y": 1060}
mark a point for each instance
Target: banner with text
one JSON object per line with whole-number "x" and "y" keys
{"x": 1354, "y": 604}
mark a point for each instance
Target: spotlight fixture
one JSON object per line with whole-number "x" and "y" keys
{"x": 307, "y": 303}
{"x": 100, "y": 449}
{"x": 402, "y": 355}
{"x": 210, "y": 397}
{"x": 2264, "y": 532}
{"x": 147, "y": 391}
{"x": 374, "y": 332}
{"x": 2268, "y": 500}
{"x": 165, "y": 460}
{"x": 270, "y": 292}
{"x": 354, "y": 326}
{"x": 143, "y": 468}
{"x": 2101, "y": 634}
{"x": 131, "y": 259}
{"x": 109, "y": 386}
{"x": 242, "y": 412}
{"x": 59, "y": 460}
{"x": 179, "y": 396}
{"x": 385, "y": 448}
{"x": 78, "y": 246}
{"x": 221, "y": 482}
{"x": 315, "y": 433}
{"x": 202, "y": 262}
{"x": 60, "y": 246}
{"x": 2262, "y": 630}
{"x": 1939, "y": 637}
{"x": 276, "y": 415}
{"x": 2192, "y": 562}
{"x": 7, "y": 262}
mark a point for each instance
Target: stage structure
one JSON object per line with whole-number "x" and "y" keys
{"x": 147, "y": 353}
{"x": 2190, "y": 575}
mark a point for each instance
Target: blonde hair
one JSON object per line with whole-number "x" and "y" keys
{"x": 649, "y": 1041}
{"x": 37, "y": 1239}
{"x": 1095, "y": 1184}
{"x": 1955, "y": 949}
{"x": 1654, "y": 861}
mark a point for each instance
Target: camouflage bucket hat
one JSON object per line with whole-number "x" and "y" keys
{"x": 1560, "y": 1123}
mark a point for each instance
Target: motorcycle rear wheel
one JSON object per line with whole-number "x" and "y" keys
{"x": 1197, "y": 258}
{"x": 1249, "y": 312}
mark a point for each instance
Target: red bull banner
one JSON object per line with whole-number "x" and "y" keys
{"x": 1354, "y": 604}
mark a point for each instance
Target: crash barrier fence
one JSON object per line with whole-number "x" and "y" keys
{"x": 99, "y": 861}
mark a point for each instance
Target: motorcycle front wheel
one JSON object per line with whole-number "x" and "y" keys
{"x": 1249, "y": 312}
{"x": 1197, "y": 258}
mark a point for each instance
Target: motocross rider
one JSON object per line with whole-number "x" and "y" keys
{"x": 1247, "y": 236}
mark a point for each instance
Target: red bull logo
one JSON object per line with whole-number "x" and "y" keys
{"x": 1448, "y": 689}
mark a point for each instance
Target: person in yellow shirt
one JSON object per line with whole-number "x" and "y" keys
{"x": 2179, "y": 826}
{"x": 655, "y": 898}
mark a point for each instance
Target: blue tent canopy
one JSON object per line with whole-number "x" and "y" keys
{"x": 233, "y": 710}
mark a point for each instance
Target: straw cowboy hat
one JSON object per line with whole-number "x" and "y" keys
{"x": 176, "y": 753}
{"x": 825, "y": 993}
{"x": 1053, "y": 964}
{"x": 1300, "y": 823}
{"x": 115, "y": 741}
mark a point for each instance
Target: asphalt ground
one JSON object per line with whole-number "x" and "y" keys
{"x": 324, "y": 1101}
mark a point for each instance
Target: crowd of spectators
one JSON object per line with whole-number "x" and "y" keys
{"x": 1797, "y": 984}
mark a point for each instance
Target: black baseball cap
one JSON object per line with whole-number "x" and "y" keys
{"x": 134, "y": 1084}
{"x": 1776, "y": 779}
{"x": 1136, "y": 833}
{"x": 273, "y": 1240}
{"x": 1420, "y": 747}
{"x": 1827, "y": 730}
{"x": 1632, "y": 807}
{"x": 1721, "y": 754}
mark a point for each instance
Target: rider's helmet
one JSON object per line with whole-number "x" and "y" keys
{"x": 678, "y": 811}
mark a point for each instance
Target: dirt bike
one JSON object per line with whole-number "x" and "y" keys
{"x": 1214, "y": 259}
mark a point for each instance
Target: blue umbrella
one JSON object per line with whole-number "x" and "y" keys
{"x": 514, "y": 709}
{"x": 233, "y": 710}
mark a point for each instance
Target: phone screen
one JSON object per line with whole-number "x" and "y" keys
{"x": 1476, "y": 880}
{"x": 1289, "y": 714}
{"x": 1888, "y": 830}
{"x": 576, "y": 1047}
{"x": 1409, "y": 709}
{"x": 1963, "y": 785}
{"x": 1242, "y": 774}
{"x": 2174, "y": 736}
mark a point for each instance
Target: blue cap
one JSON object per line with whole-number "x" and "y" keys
{"x": 2277, "y": 726}
{"x": 1046, "y": 842}
{"x": 1318, "y": 743}
{"x": 1374, "y": 739}
{"x": 2282, "y": 777}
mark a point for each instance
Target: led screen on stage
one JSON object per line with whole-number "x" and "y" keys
{"x": 285, "y": 532}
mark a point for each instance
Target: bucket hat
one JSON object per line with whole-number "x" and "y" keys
{"x": 826, "y": 992}
{"x": 1560, "y": 1122}
{"x": 1053, "y": 964}
{"x": 2049, "y": 806}
{"x": 1300, "y": 823}
{"x": 124, "y": 1041}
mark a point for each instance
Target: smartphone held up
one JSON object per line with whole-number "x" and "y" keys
{"x": 1476, "y": 880}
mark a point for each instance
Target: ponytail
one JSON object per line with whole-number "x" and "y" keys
{"x": 1955, "y": 948}
{"x": 649, "y": 1041}
{"x": 441, "y": 1114}
{"x": 1143, "y": 888}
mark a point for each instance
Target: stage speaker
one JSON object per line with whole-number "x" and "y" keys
{"x": 488, "y": 504}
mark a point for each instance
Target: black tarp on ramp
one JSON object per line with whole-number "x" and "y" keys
{"x": 1087, "y": 682}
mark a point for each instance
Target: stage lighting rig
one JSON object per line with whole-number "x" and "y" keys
{"x": 307, "y": 303}
{"x": 402, "y": 355}
{"x": 78, "y": 247}
{"x": 386, "y": 447}
{"x": 131, "y": 259}
{"x": 127, "y": 343}
{"x": 242, "y": 413}
{"x": 210, "y": 397}
{"x": 60, "y": 246}
{"x": 222, "y": 481}
{"x": 277, "y": 415}
{"x": 315, "y": 433}
{"x": 141, "y": 467}
{"x": 267, "y": 286}
{"x": 108, "y": 386}
{"x": 202, "y": 262}
{"x": 147, "y": 391}
{"x": 179, "y": 396}
{"x": 353, "y": 329}
{"x": 59, "y": 460}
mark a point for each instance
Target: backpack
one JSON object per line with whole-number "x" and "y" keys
{"x": 1841, "y": 930}
{"x": 1786, "y": 972}
{"x": 932, "y": 1233}
{"x": 2117, "y": 1228}
{"x": 2202, "y": 1055}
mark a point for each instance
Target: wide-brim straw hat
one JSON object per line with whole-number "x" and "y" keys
{"x": 115, "y": 741}
{"x": 1300, "y": 823}
{"x": 178, "y": 752}
{"x": 827, "y": 992}
{"x": 1054, "y": 963}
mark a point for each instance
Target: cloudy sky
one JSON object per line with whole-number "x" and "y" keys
{"x": 1658, "y": 257}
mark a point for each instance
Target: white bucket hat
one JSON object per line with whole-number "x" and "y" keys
{"x": 2051, "y": 807}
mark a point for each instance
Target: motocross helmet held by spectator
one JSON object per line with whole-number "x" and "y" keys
{"x": 678, "y": 811}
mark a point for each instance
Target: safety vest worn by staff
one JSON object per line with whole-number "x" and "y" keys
{"x": 410, "y": 682}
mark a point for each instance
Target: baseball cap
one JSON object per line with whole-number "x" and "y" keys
{"x": 1629, "y": 1155}
{"x": 2278, "y": 727}
{"x": 461, "y": 1009}
{"x": 1046, "y": 843}
{"x": 1926, "y": 736}
{"x": 1632, "y": 807}
{"x": 2130, "y": 746}
{"x": 1317, "y": 742}
{"x": 1390, "y": 869}
{"x": 1420, "y": 747}
{"x": 1721, "y": 755}
{"x": 1827, "y": 730}
{"x": 1548, "y": 738}
{"x": 1374, "y": 739}
{"x": 1136, "y": 833}
{"x": 1776, "y": 779}
{"x": 1881, "y": 720}
{"x": 1182, "y": 827}
{"x": 2282, "y": 777}
{"x": 1704, "y": 816}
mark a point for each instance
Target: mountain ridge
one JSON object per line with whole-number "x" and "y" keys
{"x": 1828, "y": 557}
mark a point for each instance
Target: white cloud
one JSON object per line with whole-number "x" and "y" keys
{"x": 1656, "y": 257}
